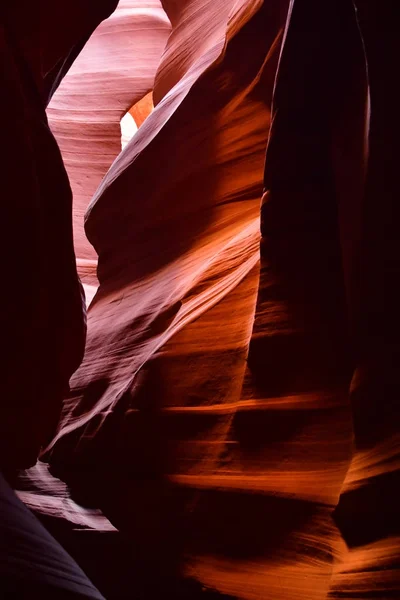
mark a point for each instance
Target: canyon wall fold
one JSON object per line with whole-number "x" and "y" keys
{"x": 114, "y": 71}
{"x": 232, "y": 429}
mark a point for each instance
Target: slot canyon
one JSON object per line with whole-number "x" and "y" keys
{"x": 200, "y": 300}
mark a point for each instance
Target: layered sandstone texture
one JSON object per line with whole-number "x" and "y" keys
{"x": 232, "y": 429}
{"x": 112, "y": 74}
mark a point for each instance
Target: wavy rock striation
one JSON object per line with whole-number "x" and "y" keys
{"x": 114, "y": 71}
{"x": 234, "y": 416}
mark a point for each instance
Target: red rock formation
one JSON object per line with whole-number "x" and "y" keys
{"x": 172, "y": 295}
{"x": 210, "y": 420}
{"x": 114, "y": 71}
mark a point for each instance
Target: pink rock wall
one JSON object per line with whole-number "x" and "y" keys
{"x": 112, "y": 73}
{"x": 235, "y": 415}
{"x": 241, "y": 466}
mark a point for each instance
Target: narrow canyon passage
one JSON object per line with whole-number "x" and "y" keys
{"x": 227, "y": 170}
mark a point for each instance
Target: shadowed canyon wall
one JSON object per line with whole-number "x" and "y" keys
{"x": 232, "y": 429}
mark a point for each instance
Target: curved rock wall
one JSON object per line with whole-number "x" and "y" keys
{"x": 180, "y": 267}
{"x": 113, "y": 72}
{"x": 235, "y": 413}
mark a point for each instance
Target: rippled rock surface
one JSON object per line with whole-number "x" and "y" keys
{"x": 232, "y": 429}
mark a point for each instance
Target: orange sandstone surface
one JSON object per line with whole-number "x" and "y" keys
{"x": 232, "y": 428}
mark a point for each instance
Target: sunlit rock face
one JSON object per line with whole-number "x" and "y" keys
{"x": 212, "y": 402}
{"x": 114, "y": 71}
{"x": 176, "y": 225}
{"x": 235, "y": 413}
